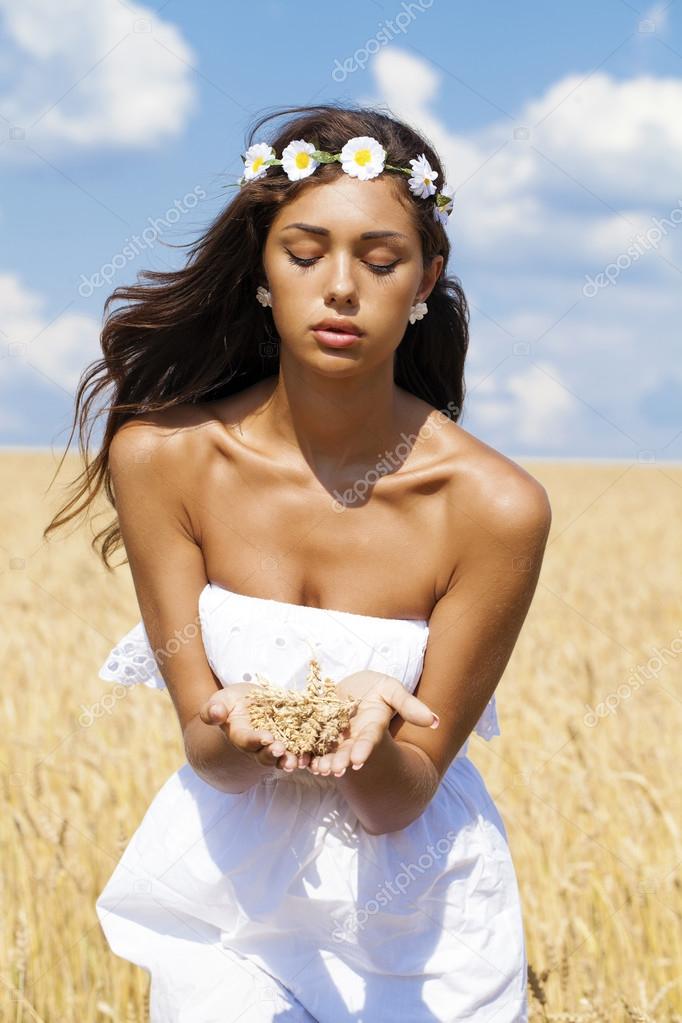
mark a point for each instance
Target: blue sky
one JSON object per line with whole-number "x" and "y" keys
{"x": 559, "y": 125}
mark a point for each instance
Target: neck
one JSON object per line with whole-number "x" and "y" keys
{"x": 336, "y": 424}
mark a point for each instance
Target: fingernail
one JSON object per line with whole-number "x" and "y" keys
{"x": 436, "y": 721}
{"x": 356, "y": 767}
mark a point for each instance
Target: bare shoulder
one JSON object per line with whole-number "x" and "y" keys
{"x": 170, "y": 435}
{"x": 501, "y": 496}
{"x": 491, "y": 479}
{"x": 483, "y": 487}
{"x": 500, "y": 484}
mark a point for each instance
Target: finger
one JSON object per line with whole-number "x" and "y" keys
{"x": 213, "y": 712}
{"x": 262, "y": 738}
{"x": 340, "y": 763}
{"x": 339, "y": 759}
{"x": 241, "y": 733}
{"x": 364, "y": 742}
{"x": 410, "y": 707}
{"x": 417, "y": 713}
{"x": 287, "y": 762}
{"x": 223, "y": 708}
{"x": 362, "y": 748}
{"x": 276, "y": 755}
{"x": 265, "y": 757}
{"x": 330, "y": 763}
{"x": 334, "y": 763}
{"x": 246, "y": 741}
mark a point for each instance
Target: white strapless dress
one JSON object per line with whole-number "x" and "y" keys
{"x": 275, "y": 904}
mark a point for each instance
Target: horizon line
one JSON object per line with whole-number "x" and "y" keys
{"x": 597, "y": 459}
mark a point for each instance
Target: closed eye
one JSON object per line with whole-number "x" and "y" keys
{"x": 376, "y": 268}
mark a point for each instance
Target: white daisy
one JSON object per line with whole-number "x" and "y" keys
{"x": 254, "y": 160}
{"x": 298, "y": 161}
{"x": 423, "y": 176}
{"x": 363, "y": 157}
{"x": 443, "y": 208}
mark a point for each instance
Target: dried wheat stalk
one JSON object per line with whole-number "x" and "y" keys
{"x": 311, "y": 721}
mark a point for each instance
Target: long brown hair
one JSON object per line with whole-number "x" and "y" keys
{"x": 197, "y": 334}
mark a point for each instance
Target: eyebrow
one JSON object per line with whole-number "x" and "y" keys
{"x": 313, "y": 229}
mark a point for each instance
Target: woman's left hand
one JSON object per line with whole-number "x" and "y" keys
{"x": 380, "y": 697}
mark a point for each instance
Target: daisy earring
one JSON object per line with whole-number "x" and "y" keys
{"x": 418, "y": 311}
{"x": 264, "y": 296}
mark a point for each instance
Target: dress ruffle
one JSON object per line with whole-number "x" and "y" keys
{"x": 132, "y": 662}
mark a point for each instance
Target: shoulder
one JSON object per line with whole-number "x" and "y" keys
{"x": 502, "y": 488}
{"x": 184, "y": 438}
{"x": 505, "y": 505}
{"x": 485, "y": 490}
{"x": 498, "y": 485}
{"x": 174, "y": 440}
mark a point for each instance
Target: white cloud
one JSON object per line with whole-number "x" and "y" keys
{"x": 530, "y": 406}
{"x": 56, "y": 347}
{"x": 533, "y": 217}
{"x": 93, "y": 73}
{"x": 543, "y": 407}
{"x": 621, "y": 138}
{"x": 602, "y": 157}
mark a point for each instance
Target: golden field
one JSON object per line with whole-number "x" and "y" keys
{"x": 586, "y": 772}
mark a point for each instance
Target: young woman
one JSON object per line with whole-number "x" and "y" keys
{"x": 291, "y": 483}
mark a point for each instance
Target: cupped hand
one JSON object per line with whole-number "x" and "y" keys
{"x": 228, "y": 710}
{"x": 380, "y": 697}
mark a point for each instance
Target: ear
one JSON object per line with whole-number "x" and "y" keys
{"x": 429, "y": 278}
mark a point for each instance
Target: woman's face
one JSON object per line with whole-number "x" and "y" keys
{"x": 326, "y": 269}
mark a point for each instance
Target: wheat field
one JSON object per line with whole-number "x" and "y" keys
{"x": 585, "y": 773}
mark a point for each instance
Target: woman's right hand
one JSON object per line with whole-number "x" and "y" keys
{"x": 228, "y": 709}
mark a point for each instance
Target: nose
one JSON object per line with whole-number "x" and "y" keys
{"x": 342, "y": 285}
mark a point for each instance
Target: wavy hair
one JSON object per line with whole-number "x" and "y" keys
{"x": 147, "y": 364}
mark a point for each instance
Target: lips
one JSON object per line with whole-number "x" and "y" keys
{"x": 339, "y": 326}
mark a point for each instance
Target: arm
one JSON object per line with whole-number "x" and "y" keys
{"x": 393, "y": 767}
{"x": 151, "y": 469}
{"x": 217, "y": 761}
{"x": 472, "y": 632}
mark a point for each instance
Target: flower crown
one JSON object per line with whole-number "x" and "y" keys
{"x": 361, "y": 157}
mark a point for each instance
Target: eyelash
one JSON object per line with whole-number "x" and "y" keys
{"x": 375, "y": 268}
